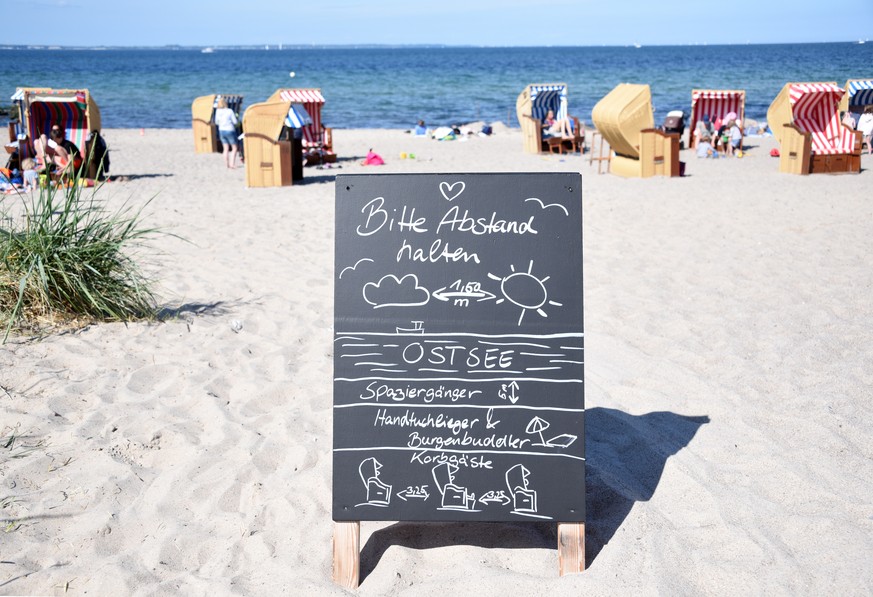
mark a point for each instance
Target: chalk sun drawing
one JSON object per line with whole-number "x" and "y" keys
{"x": 524, "y": 290}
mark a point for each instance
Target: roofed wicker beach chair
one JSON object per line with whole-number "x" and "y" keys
{"x": 718, "y": 104}
{"x": 625, "y": 118}
{"x": 859, "y": 95}
{"x": 805, "y": 119}
{"x": 202, "y": 114}
{"x": 74, "y": 110}
{"x": 316, "y": 138}
{"x": 273, "y": 154}
{"x": 531, "y": 107}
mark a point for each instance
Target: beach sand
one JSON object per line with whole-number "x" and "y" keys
{"x": 729, "y": 376}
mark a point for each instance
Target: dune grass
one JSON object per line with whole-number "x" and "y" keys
{"x": 65, "y": 259}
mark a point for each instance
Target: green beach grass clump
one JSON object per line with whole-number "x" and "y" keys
{"x": 65, "y": 259}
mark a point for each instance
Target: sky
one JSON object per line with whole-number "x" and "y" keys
{"x": 450, "y": 22}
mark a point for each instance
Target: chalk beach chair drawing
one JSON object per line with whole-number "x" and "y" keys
{"x": 625, "y": 118}
{"x": 805, "y": 120}
{"x": 531, "y": 107}
{"x": 202, "y": 114}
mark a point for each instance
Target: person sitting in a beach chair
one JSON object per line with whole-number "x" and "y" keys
{"x": 556, "y": 128}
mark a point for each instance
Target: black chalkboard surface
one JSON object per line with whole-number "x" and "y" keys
{"x": 458, "y": 348}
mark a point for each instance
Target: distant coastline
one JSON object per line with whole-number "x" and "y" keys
{"x": 284, "y": 46}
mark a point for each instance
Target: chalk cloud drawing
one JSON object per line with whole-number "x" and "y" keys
{"x": 378, "y": 493}
{"x": 352, "y": 267}
{"x": 454, "y": 496}
{"x": 391, "y": 291}
{"x": 546, "y": 206}
{"x": 524, "y": 290}
{"x": 450, "y": 192}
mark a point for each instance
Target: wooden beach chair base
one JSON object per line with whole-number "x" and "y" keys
{"x": 600, "y": 157}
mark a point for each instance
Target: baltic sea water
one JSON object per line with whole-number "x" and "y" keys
{"x": 395, "y": 87}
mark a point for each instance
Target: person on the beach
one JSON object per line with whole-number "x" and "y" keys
{"x": 722, "y": 138}
{"x": 703, "y": 130}
{"x": 556, "y": 128}
{"x": 57, "y": 150}
{"x": 735, "y": 132}
{"x": 227, "y": 121}
{"x": 865, "y": 125}
{"x": 848, "y": 120}
{"x": 29, "y": 174}
{"x": 420, "y": 129}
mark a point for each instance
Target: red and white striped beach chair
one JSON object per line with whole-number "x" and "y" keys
{"x": 317, "y": 140}
{"x": 717, "y": 104}
{"x": 805, "y": 119}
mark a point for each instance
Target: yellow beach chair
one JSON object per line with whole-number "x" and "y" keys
{"x": 273, "y": 155}
{"x": 625, "y": 119}
{"x": 202, "y": 114}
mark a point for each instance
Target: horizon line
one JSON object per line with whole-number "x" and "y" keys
{"x": 281, "y": 46}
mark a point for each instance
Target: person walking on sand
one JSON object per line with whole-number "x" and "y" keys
{"x": 227, "y": 121}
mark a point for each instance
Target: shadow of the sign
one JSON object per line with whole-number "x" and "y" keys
{"x": 625, "y": 456}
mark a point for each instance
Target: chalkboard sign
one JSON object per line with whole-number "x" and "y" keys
{"x": 458, "y": 348}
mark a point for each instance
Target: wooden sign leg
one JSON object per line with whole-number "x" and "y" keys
{"x": 347, "y": 554}
{"x": 571, "y": 548}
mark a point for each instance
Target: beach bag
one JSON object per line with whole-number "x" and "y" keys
{"x": 373, "y": 159}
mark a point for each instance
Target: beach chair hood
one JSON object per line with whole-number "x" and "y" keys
{"x": 74, "y": 109}
{"x": 813, "y": 108}
{"x": 304, "y": 105}
{"x": 859, "y": 95}
{"x": 622, "y": 114}
{"x": 717, "y": 104}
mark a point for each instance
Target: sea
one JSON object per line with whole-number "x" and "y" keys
{"x": 394, "y": 87}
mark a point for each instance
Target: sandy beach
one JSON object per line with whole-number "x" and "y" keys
{"x": 729, "y": 377}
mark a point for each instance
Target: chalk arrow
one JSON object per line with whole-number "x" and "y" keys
{"x": 422, "y": 494}
{"x": 489, "y": 424}
{"x": 479, "y": 295}
{"x": 495, "y": 498}
{"x": 509, "y": 392}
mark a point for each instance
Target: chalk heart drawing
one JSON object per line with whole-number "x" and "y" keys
{"x": 449, "y": 191}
